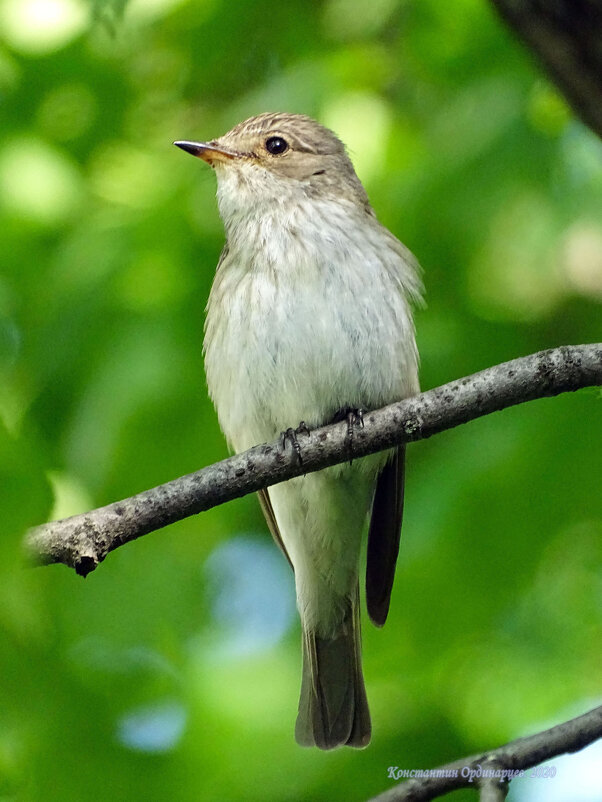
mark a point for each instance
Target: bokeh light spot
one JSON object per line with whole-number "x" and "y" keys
{"x": 363, "y": 122}
{"x": 38, "y": 182}
{"x": 70, "y": 495}
{"x": 38, "y": 27}
{"x": 582, "y": 259}
{"x": 155, "y": 728}
{"x": 127, "y": 175}
{"x": 252, "y": 597}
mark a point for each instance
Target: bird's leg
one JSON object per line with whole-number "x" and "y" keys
{"x": 291, "y": 435}
{"x": 354, "y": 417}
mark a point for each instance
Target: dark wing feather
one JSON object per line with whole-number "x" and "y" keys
{"x": 383, "y": 537}
{"x": 268, "y": 511}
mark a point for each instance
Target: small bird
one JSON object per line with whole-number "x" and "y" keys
{"x": 310, "y": 319}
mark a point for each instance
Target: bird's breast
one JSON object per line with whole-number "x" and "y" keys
{"x": 303, "y": 320}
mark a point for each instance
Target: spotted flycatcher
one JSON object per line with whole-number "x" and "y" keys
{"x": 309, "y": 319}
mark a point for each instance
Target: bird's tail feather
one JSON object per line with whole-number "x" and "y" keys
{"x": 333, "y": 709}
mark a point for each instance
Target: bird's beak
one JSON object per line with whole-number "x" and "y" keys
{"x": 212, "y": 154}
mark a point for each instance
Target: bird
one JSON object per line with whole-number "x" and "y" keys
{"x": 310, "y": 318}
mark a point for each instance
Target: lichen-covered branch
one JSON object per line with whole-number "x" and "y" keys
{"x": 83, "y": 541}
{"x": 492, "y": 771}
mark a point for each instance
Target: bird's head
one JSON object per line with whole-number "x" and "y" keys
{"x": 276, "y": 156}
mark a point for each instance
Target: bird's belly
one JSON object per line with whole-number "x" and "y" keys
{"x": 279, "y": 352}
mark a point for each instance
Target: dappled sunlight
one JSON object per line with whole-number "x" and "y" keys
{"x": 581, "y": 259}
{"x": 70, "y": 495}
{"x": 123, "y": 174}
{"x": 42, "y": 26}
{"x": 363, "y": 122}
{"x": 254, "y": 687}
{"x": 38, "y": 181}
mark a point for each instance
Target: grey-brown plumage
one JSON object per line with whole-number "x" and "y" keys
{"x": 333, "y": 709}
{"x": 309, "y": 314}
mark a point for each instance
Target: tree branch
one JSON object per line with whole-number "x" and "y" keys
{"x": 500, "y": 765}
{"x": 83, "y": 541}
{"x": 565, "y": 35}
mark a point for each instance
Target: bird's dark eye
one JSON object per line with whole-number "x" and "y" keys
{"x": 276, "y": 145}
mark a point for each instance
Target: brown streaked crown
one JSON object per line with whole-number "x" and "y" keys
{"x": 304, "y": 134}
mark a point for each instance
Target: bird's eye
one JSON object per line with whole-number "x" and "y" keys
{"x": 276, "y": 145}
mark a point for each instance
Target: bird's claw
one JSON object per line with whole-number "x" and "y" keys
{"x": 354, "y": 417}
{"x": 291, "y": 435}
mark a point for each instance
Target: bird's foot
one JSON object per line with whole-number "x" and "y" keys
{"x": 354, "y": 417}
{"x": 291, "y": 435}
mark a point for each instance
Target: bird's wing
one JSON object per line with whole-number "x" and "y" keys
{"x": 268, "y": 511}
{"x": 383, "y": 537}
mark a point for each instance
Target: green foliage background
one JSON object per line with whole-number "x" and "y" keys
{"x": 138, "y": 683}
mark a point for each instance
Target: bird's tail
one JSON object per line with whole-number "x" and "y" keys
{"x": 333, "y": 709}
